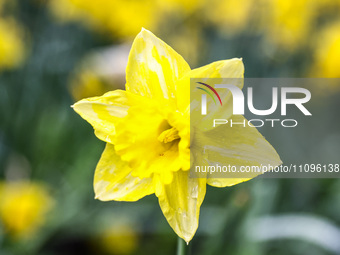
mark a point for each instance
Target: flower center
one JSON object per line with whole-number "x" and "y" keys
{"x": 169, "y": 135}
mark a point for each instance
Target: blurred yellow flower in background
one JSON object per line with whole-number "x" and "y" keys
{"x": 23, "y": 207}
{"x": 287, "y": 23}
{"x": 114, "y": 16}
{"x": 231, "y": 16}
{"x": 12, "y": 45}
{"x": 327, "y": 53}
{"x": 147, "y": 130}
{"x": 119, "y": 239}
{"x": 85, "y": 83}
{"x": 120, "y": 17}
{"x": 179, "y": 6}
{"x": 99, "y": 72}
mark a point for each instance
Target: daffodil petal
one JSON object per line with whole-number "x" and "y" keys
{"x": 113, "y": 179}
{"x": 222, "y": 72}
{"x": 236, "y": 146}
{"x": 180, "y": 202}
{"x": 153, "y": 68}
{"x": 104, "y": 112}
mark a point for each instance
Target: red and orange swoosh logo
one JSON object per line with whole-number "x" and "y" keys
{"x": 212, "y": 89}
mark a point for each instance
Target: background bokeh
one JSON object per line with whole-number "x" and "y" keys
{"x": 55, "y": 52}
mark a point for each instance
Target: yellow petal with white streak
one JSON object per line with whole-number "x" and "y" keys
{"x": 180, "y": 202}
{"x": 106, "y": 111}
{"x": 113, "y": 179}
{"x": 236, "y": 146}
{"x": 220, "y": 72}
{"x": 153, "y": 68}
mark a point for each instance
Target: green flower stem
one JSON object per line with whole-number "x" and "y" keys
{"x": 182, "y": 247}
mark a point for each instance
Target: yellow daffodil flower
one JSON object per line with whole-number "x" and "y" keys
{"x": 147, "y": 131}
{"x": 288, "y": 23}
{"x": 231, "y": 16}
{"x": 114, "y": 16}
{"x": 327, "y": 53}
{"x": 23, "y": 207}
{"x": 12, "y": 50}
{"x": 107, "y": 15}
{"x": 118, "y": 239}
{"x": 85, "y": 84}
